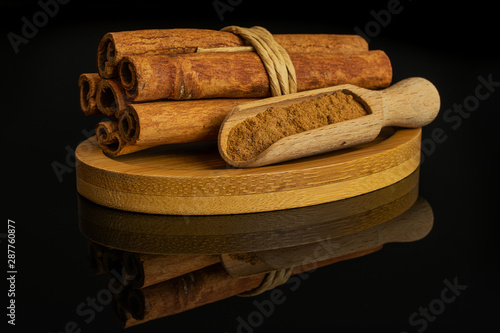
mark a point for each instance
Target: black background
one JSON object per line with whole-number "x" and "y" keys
{"x": 449, "y": 44}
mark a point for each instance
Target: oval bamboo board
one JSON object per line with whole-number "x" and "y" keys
{"x": 192, "y": 179}
{"x": 215, "y": 234}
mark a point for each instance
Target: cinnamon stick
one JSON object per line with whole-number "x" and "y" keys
{"x": 122, "y": 314}
{"x": 201, "y": 287}
{"x": 104, "y": 132}
{"x": 87, "y": 83}
{"x": 110, "y": 141}
{"x": 111, "y": 260}
{"x": 149, "y": 269}
{"x": 165, "y": 122}
{"x": 242, "y": 74}
{"x": 111, "y": 98}
{"x": 94, "y": 257}
{"x": 116, "y": 45}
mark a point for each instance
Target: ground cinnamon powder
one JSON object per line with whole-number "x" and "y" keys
{"x": 254, "y": 135}
{"x": 246, "y": 257}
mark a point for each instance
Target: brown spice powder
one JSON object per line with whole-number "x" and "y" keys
{"x": 246, "y": 257}
{"x": 254, "y": 135}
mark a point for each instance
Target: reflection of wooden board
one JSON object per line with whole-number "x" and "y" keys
{"x": 171, "y": 234}
{"x": 192, "y": 179}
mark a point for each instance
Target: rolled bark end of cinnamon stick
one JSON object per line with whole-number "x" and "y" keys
{"x": 136, "y": 73}
{"x": 128, "y": 125}
{"x": 106, "y": 57}
{"x": 133, "y": 267}
{"x": 127, "y": 73}
{"x": 122, "y": 314}
{"x": 111, "y": 260}
{"x": 87, "y": 83}
{"x": 104, "y": 132}
{"x": 110, "y": 141}
{"x": 94, "y": 257}
{"x": 136, "y": 304}
{"x": 111, "y": 98}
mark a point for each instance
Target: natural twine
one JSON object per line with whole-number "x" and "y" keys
{"x": 276, "y": 61}
{"x": 282, "y": 81}
{"x": 271, "y": 281}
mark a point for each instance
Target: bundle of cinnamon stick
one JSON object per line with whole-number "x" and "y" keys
{"x": 148, "y": 286}
{"x": 168, "y": 86}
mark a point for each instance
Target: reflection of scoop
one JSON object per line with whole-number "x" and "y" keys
{"x": 412, "y": 102}
{"x": 412, "y": 225}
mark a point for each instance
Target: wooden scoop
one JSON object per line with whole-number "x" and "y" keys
{"x": 413, "y": 102}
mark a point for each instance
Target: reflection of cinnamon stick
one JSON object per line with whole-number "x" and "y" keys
{"x": 242, "y": 74}
{"x": 111, "y": 260}
{"x": 110, "y": 97}
{"x": 87, "y": 83}
{"x": 94, "y": 257}
{"x": 166, "y": 122}
{"x": 199, "y": 288}
{"x": 122, "y": 314}
{"x": 116, "y": 45}
{"x": 149, "y": 269}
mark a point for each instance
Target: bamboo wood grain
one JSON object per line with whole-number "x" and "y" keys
{"x": 413, "y": 103}
{"x": 194, "y": 180}
{"x": 217, "y": 234}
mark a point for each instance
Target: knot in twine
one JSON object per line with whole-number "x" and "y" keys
{"x": 271, "y": 281}
{"x": 279, "y": 67}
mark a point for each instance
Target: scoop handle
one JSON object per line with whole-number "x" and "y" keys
{"x": 412, "y": 102}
